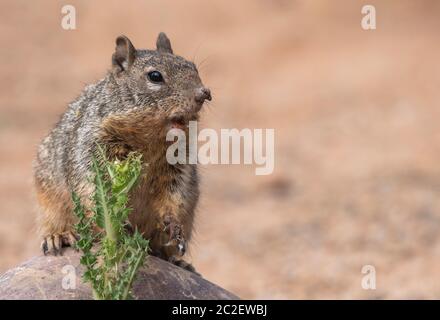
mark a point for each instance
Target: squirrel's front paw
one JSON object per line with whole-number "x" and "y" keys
{"x": 176, "y": 238}
{"x": 53, "y": 244}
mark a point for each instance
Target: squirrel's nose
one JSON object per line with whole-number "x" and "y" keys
{"x": 202, "y": 94}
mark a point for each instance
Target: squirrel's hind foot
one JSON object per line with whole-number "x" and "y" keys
{"x": 53, "y": 244}
{"x": 184, "y": 265}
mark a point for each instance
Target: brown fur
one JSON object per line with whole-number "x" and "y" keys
{"x": 126, "y": 111}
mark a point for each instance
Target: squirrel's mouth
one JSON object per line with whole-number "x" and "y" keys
{"x": 181, "y": 121}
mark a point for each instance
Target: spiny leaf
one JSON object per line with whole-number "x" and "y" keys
{"x": 110, "y": 269}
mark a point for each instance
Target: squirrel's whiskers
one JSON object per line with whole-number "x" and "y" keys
{"x": 130, "y": 109}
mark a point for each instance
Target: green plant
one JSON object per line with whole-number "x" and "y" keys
{"x": 111, "y": 266}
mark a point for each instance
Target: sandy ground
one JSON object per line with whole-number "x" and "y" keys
{"x": 357, "y": 140}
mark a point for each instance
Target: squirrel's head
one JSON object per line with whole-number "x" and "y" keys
{"x": 159, "y": 82}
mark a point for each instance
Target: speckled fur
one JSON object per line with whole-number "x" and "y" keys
{"x": 125, "y": 112}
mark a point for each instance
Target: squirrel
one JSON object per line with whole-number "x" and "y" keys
{"x": 143, "y": 95}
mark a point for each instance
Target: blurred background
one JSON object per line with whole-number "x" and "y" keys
{"x": 357, "y": 136}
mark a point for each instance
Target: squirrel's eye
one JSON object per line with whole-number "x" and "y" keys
{"x": 155, "y": 76}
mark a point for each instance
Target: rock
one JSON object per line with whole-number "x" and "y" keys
{"x": 49, "y": 277}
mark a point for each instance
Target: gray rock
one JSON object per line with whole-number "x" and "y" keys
{"x": 42, "y": 278}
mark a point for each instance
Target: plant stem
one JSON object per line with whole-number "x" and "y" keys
{"x": 95, "y": 294}
{"x": 134, "y": 269}
{"x": 110, "y": 231}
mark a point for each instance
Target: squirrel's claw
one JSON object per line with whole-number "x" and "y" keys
{"x": 44, "y": 247}
{"x": 53, "y": 244}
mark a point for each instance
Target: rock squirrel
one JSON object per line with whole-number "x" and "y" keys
{"x": 144, "y": 94}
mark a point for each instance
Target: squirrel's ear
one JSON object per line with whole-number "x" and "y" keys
{"x": 124, "y": 54}
{"x": 163, "y": 43}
